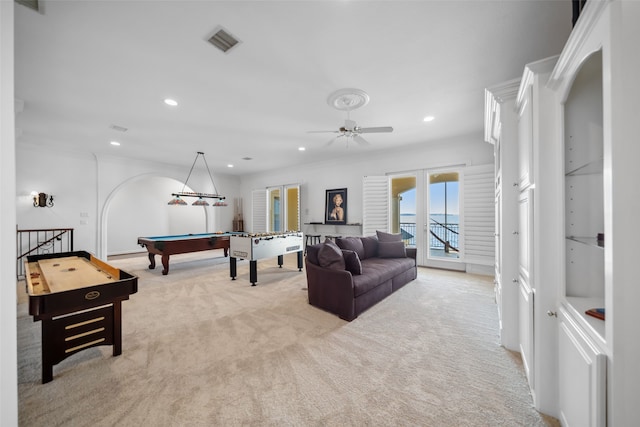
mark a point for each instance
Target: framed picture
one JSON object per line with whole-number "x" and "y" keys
{"x": 335, "y": 207}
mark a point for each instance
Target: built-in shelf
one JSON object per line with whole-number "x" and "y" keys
{"x": 589, "y": 241}
{"x": 593, "y": 326}
{"x": 591, "y": 168}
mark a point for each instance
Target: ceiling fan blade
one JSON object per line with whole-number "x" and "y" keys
{"x": 360, "y": 140}
{"x": 332, "y": 141}
{"x": 375, "y": 130}
{"x": 323, "y": 131}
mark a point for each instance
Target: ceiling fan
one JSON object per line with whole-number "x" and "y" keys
{"x": 351, "y": 131}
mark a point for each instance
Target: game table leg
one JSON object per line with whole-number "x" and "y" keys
{"x": 152, "y": 261}
{"x": 280, "y": 260}
{"x": 165, "y": 264}
{"x": 117, "y": 328}
{"x": 253, "y": 272}
{"x": 300, "y": 261}
{"x": 47, "y": 355}
{"x": 233, "y": 268}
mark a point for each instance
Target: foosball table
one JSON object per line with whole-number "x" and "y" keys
{"x": 255, "y": 246}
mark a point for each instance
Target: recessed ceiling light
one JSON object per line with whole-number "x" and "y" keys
{"x": 116, "y": 143}
{"x": 171, "y": 102}
{"x": 301, "y": 148}
{"x": 428, "y": 119}
{"x": 229, "y": 165}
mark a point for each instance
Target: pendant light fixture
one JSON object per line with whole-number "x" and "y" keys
{"x": 177, "y": 197}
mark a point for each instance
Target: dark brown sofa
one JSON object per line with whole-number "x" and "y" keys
{"x": 352, "y": 274}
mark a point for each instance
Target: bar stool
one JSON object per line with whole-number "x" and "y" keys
{"x": 332, "y": 237}
{"x": 311, "y": 239}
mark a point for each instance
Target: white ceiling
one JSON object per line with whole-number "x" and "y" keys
{"x": 82, "y": 66}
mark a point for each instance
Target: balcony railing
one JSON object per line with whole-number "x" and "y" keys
{"x": 41, "y": 241}
{"x": 443, "y": 236}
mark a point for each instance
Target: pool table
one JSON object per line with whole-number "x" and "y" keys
{"x": 166, "y": 246}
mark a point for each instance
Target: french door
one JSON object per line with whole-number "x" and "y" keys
{"x": 443, "y": 241}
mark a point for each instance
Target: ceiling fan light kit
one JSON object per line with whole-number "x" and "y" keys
{"x": 349, "y": 99}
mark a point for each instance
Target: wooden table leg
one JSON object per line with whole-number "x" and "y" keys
{"x": 152, "y": 261}
{"x": 165, "y": 264}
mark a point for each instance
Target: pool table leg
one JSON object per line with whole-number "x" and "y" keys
{"x": 280, "y": 260}
{"x": 300, "y": 261}
{"x": 152, "y": 261}
{"x": 165, "y": 264}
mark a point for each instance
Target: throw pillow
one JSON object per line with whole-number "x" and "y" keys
{"x": 352, "y": 244}
{"x": 330, "y": 256}
{"x": 370, "y": 245}
{"x": 391, "y": 250}
{"x": 352, "y": 261}
{"x": 388, "y": 237}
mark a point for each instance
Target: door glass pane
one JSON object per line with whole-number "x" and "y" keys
{"x": 444, "y": 214}
{"x": 274, "y": 210}
{"x": 293, "y": 208}
{"x": 403, "y": 208}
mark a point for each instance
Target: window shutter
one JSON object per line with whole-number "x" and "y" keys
{"x": 259, "y": 211}
{"x": 479, "y": 214}
{"x": 375, "y": 204}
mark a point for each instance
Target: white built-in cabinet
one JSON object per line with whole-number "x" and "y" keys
{"x": 537, "y": 299}
{"x": 582, "y": 353}
{"x": 597, "y": 86}
{"x": 578, "y": 124}
{"x": 501, "y": 130}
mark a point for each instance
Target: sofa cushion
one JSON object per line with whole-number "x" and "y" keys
{"x": 391, "y": 250}
{"x": 378, "y": 271}
{"x": 352, "y": 244}
{"x": 330, "y": 256}
{"x": 312, "y": 253}
{"x": 388, "y": 237}
{"x": 352, "y": 262}
{"x": 370, "y": 245}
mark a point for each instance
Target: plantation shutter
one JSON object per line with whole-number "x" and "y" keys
{"x": 259, "y": 211}
{"x": 375, "y": 204}
{"x": 479, "y": 215}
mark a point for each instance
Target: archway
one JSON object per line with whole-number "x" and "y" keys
{"x": 138, "y": 207}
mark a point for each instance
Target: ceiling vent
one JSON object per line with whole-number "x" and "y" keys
{"x": 223, "y": 40}
{"x": 118, "y": 128}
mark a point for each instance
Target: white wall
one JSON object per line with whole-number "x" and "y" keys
{"x": 8, "y": 338}
{"x": 89, "y": 190}
{"x": 349, "y": 171}
{"x": 140, "y": 209}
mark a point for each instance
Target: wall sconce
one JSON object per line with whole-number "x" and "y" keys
{"x": 42, "y": 200}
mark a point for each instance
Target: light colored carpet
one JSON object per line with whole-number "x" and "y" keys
{"x": 202, "y": 350}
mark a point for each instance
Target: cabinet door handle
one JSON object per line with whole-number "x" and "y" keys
{"x": 552, "y": 313}
{"x": 515, "y": 280}
{"x": 515, "y": 233}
